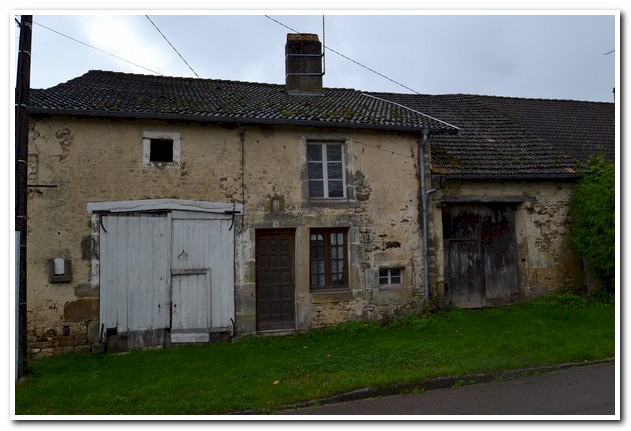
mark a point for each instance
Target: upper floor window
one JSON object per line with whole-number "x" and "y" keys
{"x": 161, "y": 149}
{"x": 325, "y": 169}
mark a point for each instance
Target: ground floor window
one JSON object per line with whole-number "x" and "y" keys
{"x": 327, "y": 256}
{"x": 390, "y": 276}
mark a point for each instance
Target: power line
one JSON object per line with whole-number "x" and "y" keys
{"x": 100, "y": 50}
{"x": 349, "y": 59}
{"x": 165, "y": 38}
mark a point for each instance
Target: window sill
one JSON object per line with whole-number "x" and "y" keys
{"x": 330, "y": 203}
{"x": 331, "y": 295}
{"x": 391, "y": 286}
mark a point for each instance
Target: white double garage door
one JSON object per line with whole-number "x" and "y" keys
{"x": 166, "y": 265}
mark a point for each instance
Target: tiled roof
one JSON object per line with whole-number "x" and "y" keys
{"x": 581, "y": 129}
{"x": 99, "y": 93}
{"x": 511, "y": 137}
{"x": 499, "y": 137}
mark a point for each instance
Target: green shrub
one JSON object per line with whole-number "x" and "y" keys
{"x": 592, "y": 210}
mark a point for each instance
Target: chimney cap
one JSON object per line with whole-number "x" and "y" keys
{"x": 302, "y": 36}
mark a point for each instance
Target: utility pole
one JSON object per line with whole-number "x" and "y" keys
{"x": 23, "y": 84}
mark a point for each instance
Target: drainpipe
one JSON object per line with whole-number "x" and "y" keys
{"x": 421, "y": 156}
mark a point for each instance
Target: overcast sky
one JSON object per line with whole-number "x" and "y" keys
{"x": 537, "y": 56}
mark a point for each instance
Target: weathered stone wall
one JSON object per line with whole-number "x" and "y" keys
{"x": 545, "y": 261}
{"x": 102, "y": 160}
{"x": 381, "y": 216}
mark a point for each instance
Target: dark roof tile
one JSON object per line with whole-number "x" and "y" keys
{"x": 121, "y": 94}
{"x": 499, "y": 137}
{"x": 513, "y": 137}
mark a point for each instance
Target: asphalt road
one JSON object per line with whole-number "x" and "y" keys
{"x": 586, "y": 390}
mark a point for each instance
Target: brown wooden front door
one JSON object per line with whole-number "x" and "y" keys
{"x": 275, "y": 287}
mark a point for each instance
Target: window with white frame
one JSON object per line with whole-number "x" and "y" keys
{"x": 325, "y": 170}
{"x": 388, "y": 276}
{"x": 161, "y": 149}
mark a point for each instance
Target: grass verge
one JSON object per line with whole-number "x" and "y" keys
{"x": 261, "y": 373}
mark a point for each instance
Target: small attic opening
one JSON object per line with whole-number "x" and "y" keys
{"x": 161, "y": 150}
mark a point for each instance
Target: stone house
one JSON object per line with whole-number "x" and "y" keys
{"x": 170, "y": 210}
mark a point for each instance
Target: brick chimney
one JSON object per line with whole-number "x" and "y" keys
{"x": 303, "y": 64}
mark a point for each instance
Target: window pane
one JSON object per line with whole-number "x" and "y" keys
{"x": 383, "y": 273}
{"x": 383, "y": 280}
{"x": 334, "y": 171}
{"x": 314, "y": 152}
{"x": 334, "y": 152}
{"x": 336, "y": 189}
{"x": 340, "y": 238}
{"x": 337, "y": 280}
{"x": 395, "y": 279}
{"x": 315, "y": 171}
{"x": 316, "y": 189}
{"x": 317, "y": 281}
{"x": 316, "y": 237}
{"x": 395, "y": 272}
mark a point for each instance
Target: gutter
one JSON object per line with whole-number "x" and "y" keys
{"x": 510, "y": 177}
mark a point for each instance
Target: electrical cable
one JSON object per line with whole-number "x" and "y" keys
{"x": 176, "y": 51}
{"x": 100, "y": 50}
{"x": 378, "y": 147}
{"x": 349, "y": 59}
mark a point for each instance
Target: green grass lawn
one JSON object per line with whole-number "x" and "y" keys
{"x": 265, "y": 372}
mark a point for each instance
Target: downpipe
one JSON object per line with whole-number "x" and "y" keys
{"x": 424, "y": 193}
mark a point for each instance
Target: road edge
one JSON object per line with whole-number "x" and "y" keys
{"x": 433, "y": 384}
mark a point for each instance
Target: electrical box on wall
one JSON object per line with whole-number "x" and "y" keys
{"x": 59, "y": 270}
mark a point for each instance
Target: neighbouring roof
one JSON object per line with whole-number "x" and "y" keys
{"x": 581, "y": 129}
{"x": 114, "y": 94}
{"x": 513, "y": 137}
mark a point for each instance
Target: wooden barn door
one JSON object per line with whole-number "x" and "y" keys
{"x": 465, "y": 258}
{"x": 500, "y": 264}
{"x": 134, "y": 271}
{"x": 202, "y": 274}
{"x": 480, "y": 254}
{"x": 167, "y": 270}
{"x": 275, "y": 287}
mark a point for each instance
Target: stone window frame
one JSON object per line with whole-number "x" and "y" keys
{"x": 147, "y": 138}
{"x": 328, "y": 261}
